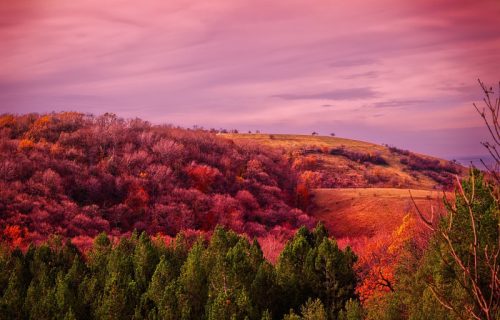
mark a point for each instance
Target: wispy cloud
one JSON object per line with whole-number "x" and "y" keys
{"x": 398, "y": 103}
{"x": 352, "y": 63}
{"x": 340, "y": 94}
{"x": 363, "y": 75}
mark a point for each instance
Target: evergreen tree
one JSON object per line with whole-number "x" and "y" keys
{"x": 312, "y": 266}
{"x": 335, "y": 280}
{"x": 19, "y": 277}
{"x": 192, "y": 292}
{"x": 162, "y": 290}
{"x": 353, "y": 311}
{"x": 264, "y": 292}
{"x": 313, "y": 310}
{"x": 290, "y": 269}
{"x": 145, "y": 260}
{"x": 120, "y": 294}
{"x": 459, "y": 266}
{"x": 92, "y": 287}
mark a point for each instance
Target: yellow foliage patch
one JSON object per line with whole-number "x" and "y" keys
{"x": 26, "y": 144}
{"x": 7, "y": 120}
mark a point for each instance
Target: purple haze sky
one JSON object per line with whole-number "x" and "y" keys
{"x": 386, "y": 71}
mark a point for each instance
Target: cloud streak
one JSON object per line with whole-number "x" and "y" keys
{"x": 399, "y": 103}
{"x": 340, "y": 94}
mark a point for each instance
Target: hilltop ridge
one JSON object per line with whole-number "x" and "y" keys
{"x": 347, "y": 163}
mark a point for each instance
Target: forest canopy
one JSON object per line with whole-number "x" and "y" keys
{"x": 144, "y": 278}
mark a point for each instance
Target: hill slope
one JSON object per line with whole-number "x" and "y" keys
{"x": 77, "y": 175}
{"x": 345, "y": 163}
{"x": 361, "y": 190}
{"x": 367, "y": 212}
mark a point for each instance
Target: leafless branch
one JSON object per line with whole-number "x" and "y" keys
{"x": 485, "y": 299}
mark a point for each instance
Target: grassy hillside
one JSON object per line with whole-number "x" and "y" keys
{"x": 338, "y": 161}
{"x": 367, "y": 212}
{"x": 363, "y": 189}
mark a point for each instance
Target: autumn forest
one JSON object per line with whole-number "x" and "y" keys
{"x": 106, "y": 218}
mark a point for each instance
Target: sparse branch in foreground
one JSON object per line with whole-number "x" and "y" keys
{"x": 486, "y": 299}
{"x": 490, "y": 114}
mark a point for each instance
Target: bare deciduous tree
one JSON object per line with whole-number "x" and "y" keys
{"x": 490, "y": 113}
{"x": 485, "y": 298}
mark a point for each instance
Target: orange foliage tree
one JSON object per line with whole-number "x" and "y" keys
{"x": 15, "y": 235}
{"x": 7, "y": 120}
{"x": 39, "y": 128}
{"x": 307, "y": 181}
{"x": 378, "y": 259}
{"x": 305, "y": 163}
{"x": 26, "y": 144}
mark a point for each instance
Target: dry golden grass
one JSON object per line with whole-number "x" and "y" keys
{"x": 394, "y": 171}
{"x": 295, "y": 141}
{"x": 366, "y": 212}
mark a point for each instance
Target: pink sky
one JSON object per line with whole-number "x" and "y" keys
{"x": 387, "y": 71}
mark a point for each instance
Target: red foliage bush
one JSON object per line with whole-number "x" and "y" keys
{"x": 360, "y": 157}
{"x": 14, "y": 234}
{"x": 203, "y": 176}
{"x": 442, "y": 173}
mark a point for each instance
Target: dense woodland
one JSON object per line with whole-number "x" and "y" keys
{"x": 77, "y": 175}
{"x": 144, "y": 278}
